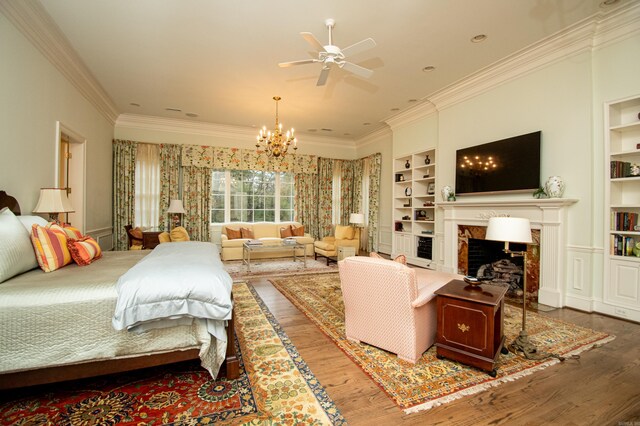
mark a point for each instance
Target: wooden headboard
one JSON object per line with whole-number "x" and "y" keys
{"x": 9, "y": 201}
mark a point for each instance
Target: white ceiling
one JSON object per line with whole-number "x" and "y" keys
{"x": 218, "y": 58}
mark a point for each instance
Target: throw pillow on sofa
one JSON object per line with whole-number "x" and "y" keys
{"x": 297, "y": 231}
{"x": 233, "y": 234}
{"x": 179, "y": 234}
{"x": 344, "y": 232}
{"x": 285, "y": 232}
{"x": 246, "y": 233}
{"x": 401, "y": 258}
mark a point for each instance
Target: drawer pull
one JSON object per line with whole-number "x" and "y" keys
{"x": 463, "y": 327}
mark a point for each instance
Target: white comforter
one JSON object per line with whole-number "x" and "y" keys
{"x": 174, "y": 284}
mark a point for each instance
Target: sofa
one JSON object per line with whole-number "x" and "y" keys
{"x": 267, "y": 232}
{"x": 389, "y": 305}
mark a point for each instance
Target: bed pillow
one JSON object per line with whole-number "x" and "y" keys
{"x": 297, "y": 231}
{"x": 233, "y": 234}
{"x": 72, "y": 232}
{"x": 16, "y": 252}
{"x": 50, "y": 245}
{"x": 84, "y": 250}
{"x": 285, "y": 232}
{"x": 29, "y": 221}
{"x": 246, "y": 233}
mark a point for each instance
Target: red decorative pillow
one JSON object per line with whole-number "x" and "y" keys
{"x": 297, "y": 231}
{"x": 233, "y": 234}
{"x": 50, "y": 246}
{"x": 84, "y": 250}
{"x": 285, "y": 232}
{"x": 246, "y": 233}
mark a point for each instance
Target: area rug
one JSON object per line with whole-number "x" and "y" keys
{"x": 431, "y": 382}
{"x": 275, "y": 387}
{"x": 277, "y": 268}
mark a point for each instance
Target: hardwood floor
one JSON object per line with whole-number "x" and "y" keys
{"x": 601, "y": 388}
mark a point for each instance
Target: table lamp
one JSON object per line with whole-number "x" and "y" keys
{"x": 53, "y": 201}
{"x": 176, "y": 208}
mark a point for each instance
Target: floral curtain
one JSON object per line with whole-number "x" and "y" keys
{"x": 124, "y": 170}
{"x": 196, "y": 198}
{"x": 375, "y": 167}
{"x": 350, "y": 189}
{"x": 305, "y": 205}
{"x": 324, "y": 200}
{"x": 169, "y": 180}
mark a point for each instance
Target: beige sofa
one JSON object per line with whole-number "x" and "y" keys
{"x": 267, "y": 232}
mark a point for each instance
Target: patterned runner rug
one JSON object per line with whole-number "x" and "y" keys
{"x": 275, "y": 387}
{"x": 277, "y": 268}
{"x": 431, "y": 382}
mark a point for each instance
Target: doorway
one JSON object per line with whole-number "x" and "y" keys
{"x": 70, "y": 172}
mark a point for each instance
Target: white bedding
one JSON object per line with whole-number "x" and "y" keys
{"x": 174, "y": 284}
{"x": 64, "y": 317}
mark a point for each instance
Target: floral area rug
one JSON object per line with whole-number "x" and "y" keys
{"x": 275, "y": 387}
{"x": 431, "y": 382}
{"x": 277, "y": 268}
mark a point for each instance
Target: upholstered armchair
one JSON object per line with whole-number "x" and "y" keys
{"x": 389, "y": 305}
{"x": 345, "y": 236}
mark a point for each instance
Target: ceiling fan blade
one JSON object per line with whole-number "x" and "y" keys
{"x": 356, "y": 69}
{"x": 360, "y": 46}
{"x": 323, "y": 76}
{"x": 292, "y": 63}
{"x": 313, "y": 41}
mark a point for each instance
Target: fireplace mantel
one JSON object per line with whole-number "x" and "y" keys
{"x": 548, "y": 215}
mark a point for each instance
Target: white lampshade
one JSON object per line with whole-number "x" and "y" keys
{"x": 510, "y": 229}
{"x": 356, "y": 218}
{"x": 53, "y": 200}
{"x": 176, "y": 207}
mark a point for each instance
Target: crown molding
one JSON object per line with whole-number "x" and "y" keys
{"x": 423, "y": 109}
{"x": 33, "y": 21}
{"x": 589, "y": 34}
{"x": 373, "y": 137}
{"x": 174, "y": 125}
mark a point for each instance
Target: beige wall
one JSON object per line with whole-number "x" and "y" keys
{"x": 33, "y": 98}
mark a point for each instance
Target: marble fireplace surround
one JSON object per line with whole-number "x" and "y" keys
{"x": 547, "y": 215}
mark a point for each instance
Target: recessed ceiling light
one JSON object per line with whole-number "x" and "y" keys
{"x": 191, "y": 114}
{"x": 327, "y": 130}
{"x": 174, "y": 109}
{"x": 412, "y": 100}
{"x": 312, "y": 130}
{"x": 428, "y": 68}
{"x": 395, "y": 109}
{"x": 478, "y": 38}
{"x": 134, "y": 104}
{"x": 606, "y": 3}
{"x": 366, "y": 124}
{"x": 347, "y": 134}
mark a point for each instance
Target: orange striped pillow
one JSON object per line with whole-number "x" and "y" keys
{"x": 84, "y": 251}
{"x": 72, "y": 232}
{"x": 50, "y": 246}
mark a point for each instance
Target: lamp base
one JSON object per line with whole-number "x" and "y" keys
{"x": 522, "y": 345}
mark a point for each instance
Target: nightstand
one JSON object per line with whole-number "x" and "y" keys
{"x": 470, "y": 324}
{"x": 150, "y": 239}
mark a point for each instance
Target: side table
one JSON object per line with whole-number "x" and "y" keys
{"x": 150, "y": 239}
{"x": 470, "y": 324}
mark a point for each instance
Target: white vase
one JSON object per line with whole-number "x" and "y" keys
{"x": 446, "y": 192}
{"x": 554, "y": 187}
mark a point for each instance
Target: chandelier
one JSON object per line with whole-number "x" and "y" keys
{"x": 275, "y": 144}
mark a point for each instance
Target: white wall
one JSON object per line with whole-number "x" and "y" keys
{"x": 34, "y": 97}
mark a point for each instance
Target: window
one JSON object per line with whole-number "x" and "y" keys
{"x": 147, "y": 186}
{"x": 251, "y": 196}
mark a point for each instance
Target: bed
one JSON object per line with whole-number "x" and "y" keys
{"x": 58, "y": 326}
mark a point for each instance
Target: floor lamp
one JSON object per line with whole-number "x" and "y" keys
{"x": 357, "y": 220}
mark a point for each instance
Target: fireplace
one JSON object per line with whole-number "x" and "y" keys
{"x": 487, "y": 260}
{"x": 545, "y": 267}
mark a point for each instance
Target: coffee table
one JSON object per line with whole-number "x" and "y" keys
{"x": 248, "y": 249}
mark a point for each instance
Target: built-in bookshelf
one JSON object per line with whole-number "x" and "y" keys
{"x": 414, "y": 206}
{"x": 621, "y": 295}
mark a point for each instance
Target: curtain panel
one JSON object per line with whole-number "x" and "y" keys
{"x": 196, "y": 199}
{"x": 124, "y": 170}
{"x": 305, "y": 205}
{"x": 324, "y": 200}
{"x": 375, "y": 168}
{"x": 170, "y": 156}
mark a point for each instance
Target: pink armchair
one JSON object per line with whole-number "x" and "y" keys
{"x": 389, "y": 305}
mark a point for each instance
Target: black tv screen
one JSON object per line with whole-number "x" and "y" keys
{"x": 511, "y": 164}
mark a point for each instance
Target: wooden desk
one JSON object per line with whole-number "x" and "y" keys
{"x": 470, "y": 324}
{"x": 150, "y": 239}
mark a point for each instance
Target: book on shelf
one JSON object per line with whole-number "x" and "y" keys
{"x": 620, "y": 169}
{"x": 624, "y": 221}
{"x": 621, "y": 245}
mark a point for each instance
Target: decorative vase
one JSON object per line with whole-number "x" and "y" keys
{"x": 554, "y": 187}
{"x": 446, "y": 192}
{"x": 635, "y": 170}
{"x": 407, "y": 165}
{"x": 427, "y": 160}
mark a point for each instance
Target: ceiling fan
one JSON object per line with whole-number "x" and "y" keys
{"x": 331, "y": 55}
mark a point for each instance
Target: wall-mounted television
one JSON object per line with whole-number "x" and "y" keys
{"x": 511, "y": 164}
